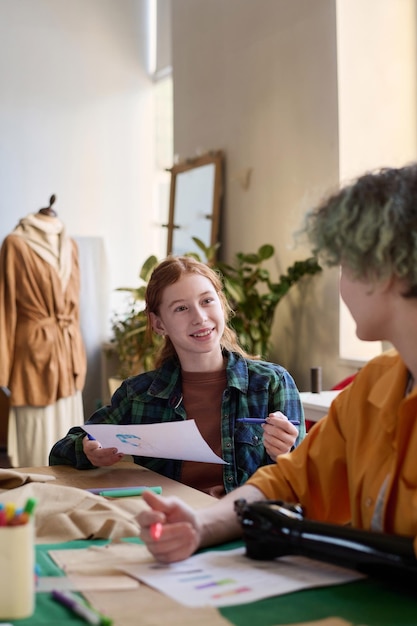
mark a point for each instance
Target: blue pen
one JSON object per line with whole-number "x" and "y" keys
{"x": 251, "y": 420}
{"x": 91, "y": 438}
{"x": 261, "y": 420}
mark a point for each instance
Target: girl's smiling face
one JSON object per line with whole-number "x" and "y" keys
{"x": 192, "y": 315}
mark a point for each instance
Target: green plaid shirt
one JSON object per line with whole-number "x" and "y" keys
{"x": 254, "y": 389}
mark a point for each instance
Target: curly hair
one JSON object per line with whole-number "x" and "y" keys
{"x": 168, "y": 272}
{"x": 370, "y": 226}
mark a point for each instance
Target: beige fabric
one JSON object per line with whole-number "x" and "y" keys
{"x": 67, "y": 513}
{"x": 10, "y": 479}
{"x": 43, "y": 357}
{"x": 47, "y": 237}
{"x": 34, "y": 430}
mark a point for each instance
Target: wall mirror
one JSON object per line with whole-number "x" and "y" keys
{"x": 195, "y": 201}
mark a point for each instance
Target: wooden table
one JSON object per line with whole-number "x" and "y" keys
{"x": 362, "y": 602}
{"x": 122, "y": 474}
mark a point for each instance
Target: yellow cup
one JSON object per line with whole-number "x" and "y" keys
{"x": 17, "y": 571}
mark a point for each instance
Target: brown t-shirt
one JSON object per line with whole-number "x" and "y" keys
{"x": 202, "y": 398}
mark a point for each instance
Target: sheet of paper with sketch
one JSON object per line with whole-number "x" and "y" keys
{"x": 167, "y": 440}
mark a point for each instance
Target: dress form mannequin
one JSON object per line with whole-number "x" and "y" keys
{"x": 49, "y": 210}
{"x": 44, "y": 361}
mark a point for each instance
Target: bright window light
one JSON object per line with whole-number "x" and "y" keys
{"x": 152, "y": 34}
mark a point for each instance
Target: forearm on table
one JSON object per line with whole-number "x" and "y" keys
{"x": 219, "y": 523}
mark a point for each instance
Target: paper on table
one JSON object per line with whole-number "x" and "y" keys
{"x": 165, "y": 440}
{"x": 125, "y": 605}
{"x": 81, "y": 583}
{"x": 226, "y": 578}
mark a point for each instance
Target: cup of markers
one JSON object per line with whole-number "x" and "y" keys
{"x": 17, "y": 560}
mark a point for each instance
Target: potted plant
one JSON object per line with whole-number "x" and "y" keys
{"x": 248, "y": 285}
{"x": 134, "y": 348}
{"x": 252, "y": 293}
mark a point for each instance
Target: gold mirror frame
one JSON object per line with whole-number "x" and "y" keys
{"x": 195, "y": 202}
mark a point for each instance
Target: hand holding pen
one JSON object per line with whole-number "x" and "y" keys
{"x": 169, "y": 528}
{"x": 99, "y": 456}
{"x": 279, "y": 433}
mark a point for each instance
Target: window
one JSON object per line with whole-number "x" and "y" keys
{"x": 159, "y": 67}
{"x": 164, "y": 154}
{"x": 377, "y": 87}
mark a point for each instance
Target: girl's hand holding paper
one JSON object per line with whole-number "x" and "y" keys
{"x": 98, "y": 456}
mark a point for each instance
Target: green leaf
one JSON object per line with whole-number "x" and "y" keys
{"x": 233, "y": 289}
{"x": 147, "y": 267}
{"x": 266, "y": 251}
{"x": 252, "y": 259}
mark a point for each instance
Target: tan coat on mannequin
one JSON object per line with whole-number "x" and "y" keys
{"x": 43, "y": 360}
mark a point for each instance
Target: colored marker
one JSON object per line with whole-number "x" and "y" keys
{"x": 10, "y": 508}
{"x": 126, "y": 492}
{"x": 30, "y": 506}
{"x": 20, "y": 518}
{"x": 99, "y": 490}
{"x": 78, "y": 607}
{"x": 156, "y": 531}
{"x": 251, "y": 420}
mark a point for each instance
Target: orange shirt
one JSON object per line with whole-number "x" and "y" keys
{"x": 368, "y": 437}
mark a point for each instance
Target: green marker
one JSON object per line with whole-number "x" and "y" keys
{"x": 125, "y": 492}
{"x": 30, "y": 506}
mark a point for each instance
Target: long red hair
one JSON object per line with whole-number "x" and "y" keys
{"x": 168, "y": 272}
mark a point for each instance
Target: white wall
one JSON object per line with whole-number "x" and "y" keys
{"x": 76, "y": 120}
{"x": 259, "y": 79}
{"x": 376, "y": 43}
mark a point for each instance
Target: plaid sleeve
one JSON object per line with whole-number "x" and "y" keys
{"x": 69, "y": 450}
{"x": 288, "y": 399}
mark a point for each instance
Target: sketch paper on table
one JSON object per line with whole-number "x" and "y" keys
{"x": 165, "y": 440}
{"x": 228, "y": 577}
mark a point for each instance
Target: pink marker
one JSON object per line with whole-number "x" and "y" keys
{"x": 156, "y": 531}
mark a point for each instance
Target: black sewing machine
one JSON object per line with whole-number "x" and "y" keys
{"x": 274, "y": 528}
